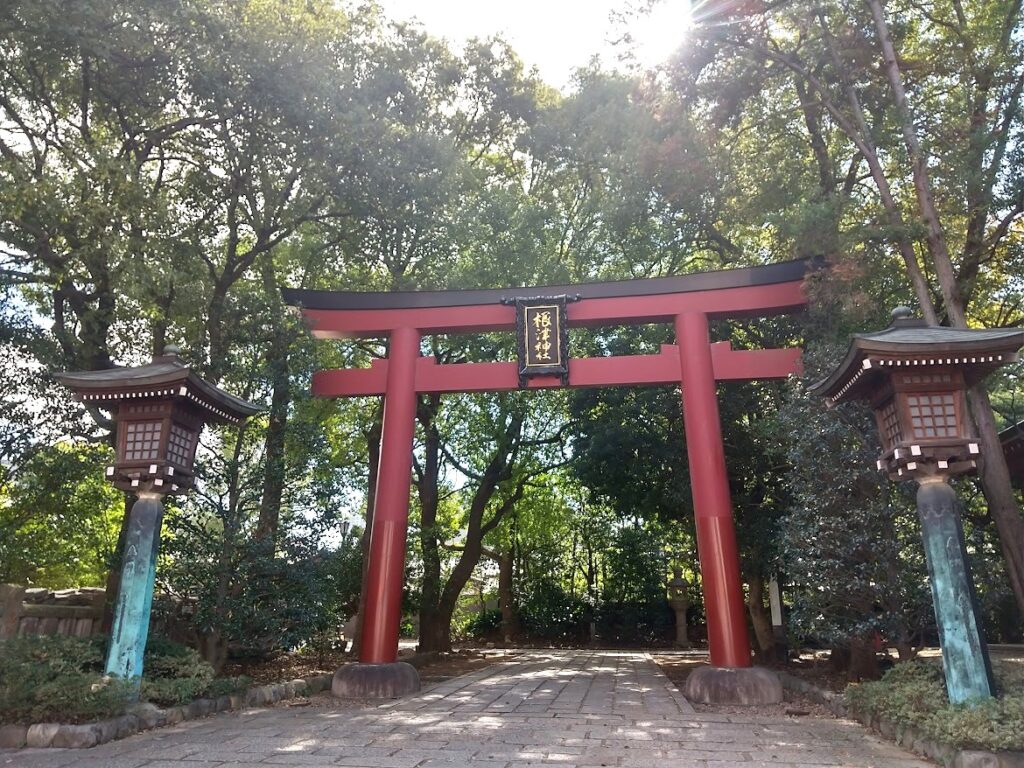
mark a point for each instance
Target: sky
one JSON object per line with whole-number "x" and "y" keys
{"x": 556, "y": 36}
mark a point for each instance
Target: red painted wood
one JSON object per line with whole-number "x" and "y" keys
{"x": 625, "y": 370}
{"x": 754, "y": 300}
{"x": 728, "y": 643}
{"x": 386, "y": 572}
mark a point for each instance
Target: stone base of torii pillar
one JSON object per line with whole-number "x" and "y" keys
{"x": 375, "y": 681}
{"x": 728, "y": 685}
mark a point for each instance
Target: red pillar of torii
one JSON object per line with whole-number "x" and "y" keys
{"x": 695, "y": 363}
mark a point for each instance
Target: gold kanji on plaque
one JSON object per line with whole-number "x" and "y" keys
{"x": 542, "y": 338}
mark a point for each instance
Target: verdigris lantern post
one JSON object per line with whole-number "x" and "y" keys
{"x": 915, "y": 377}
{"x": 160, "y": 410}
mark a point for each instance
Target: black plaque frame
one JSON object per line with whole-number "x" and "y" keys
{"x": 529, "y": 366}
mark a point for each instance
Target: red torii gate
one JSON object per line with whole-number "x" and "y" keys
{"x": 694, "y": 362}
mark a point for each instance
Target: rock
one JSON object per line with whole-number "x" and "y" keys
{"x": 319, "y": 683}
{"x": 375, "y": 681}
{"x": 149, "y": 715}
{"x": 13, "y": 736}
{"x": 257, "y": 697}
{"x": 975, "y": 758}
{"x": 1010, "y": 759}
{"x": 126, "y": 725}
{"x": 199, "y": 708}
{"x": 722, "y": 685}
{"x": 301, "y": 687}
{"x": 107, "y": 730}
{"x": 174, "y": 715}
{"x": 76, "y": 736}
{"x": 222, "y": 704}
{"x": 41, "y": 734}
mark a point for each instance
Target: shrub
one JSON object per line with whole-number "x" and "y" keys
{"x": 482, "y": 624}
{"x": 914, "y": 693}
{"x": 632, "y": 622}
{"x": 548, "y": 612}
{"x": 55, "y": 678}
{"x": 60, "y": 679}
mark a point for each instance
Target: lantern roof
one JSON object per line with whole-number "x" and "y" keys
{"x": 911, "y": 344}
{"x": 165, "y": 377}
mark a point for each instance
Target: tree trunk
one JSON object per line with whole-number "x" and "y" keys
{"x": 510, "y": 628}
{"x": 762, "y": 621}
{"x": 863, "y": 660}
{"x": 434, "y": 630}
{"x": 274, "y": 441}
{"x": 1002, "y": 502}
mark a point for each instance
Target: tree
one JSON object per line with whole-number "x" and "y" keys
{"x": 961, "y": 68}
{"x": 59, "y": 518}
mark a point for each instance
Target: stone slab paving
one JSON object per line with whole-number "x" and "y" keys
{"x": 554, "y": 709}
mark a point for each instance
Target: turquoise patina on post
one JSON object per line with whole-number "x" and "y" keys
{"x": 135, "y": 598}
{"x": 964, "y": 652}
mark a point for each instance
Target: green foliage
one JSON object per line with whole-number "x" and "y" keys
{"x": 550, "y": 613}
{"x": 850, "y": 545}
{"x": 914, "y": 693}
{"x": 47, "y": 679}
{"x": 59, "y": 518}
{"x": 60, "y": 679}
{"x": 482, "y": 624}
{"x": 281, "y": 601}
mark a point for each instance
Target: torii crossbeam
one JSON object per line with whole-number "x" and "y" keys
{"x": 688, "y": 302}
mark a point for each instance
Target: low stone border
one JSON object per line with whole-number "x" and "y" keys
{"x": 907, "y": 737}
{"x": 143, "y": 717}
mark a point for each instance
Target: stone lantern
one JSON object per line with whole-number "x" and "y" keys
{"x": 679, "y": 599}
{"x": 160, "y": 410}
{"x": 915, "y": 377}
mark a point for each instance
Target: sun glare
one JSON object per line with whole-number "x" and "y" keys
{"x": 659, "y": 33}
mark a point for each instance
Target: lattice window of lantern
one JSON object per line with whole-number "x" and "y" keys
{"x": 142, "y": 441}
{"x": 891, "y": 423}
{"x": 180, "y": 446}
{"x": 933, "y": 415}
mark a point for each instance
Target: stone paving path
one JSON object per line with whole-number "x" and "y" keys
{"x": 554, "y": 709}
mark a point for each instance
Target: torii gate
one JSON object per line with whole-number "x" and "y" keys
{"x": 695, "y": 363}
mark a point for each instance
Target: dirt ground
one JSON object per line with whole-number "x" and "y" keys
{"x": 678, "y": 667}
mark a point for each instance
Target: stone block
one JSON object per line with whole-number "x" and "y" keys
{"x": 199, "y": 708}
{"x": 1010, "y": 759}
{"x": 126, "y": 725}
{"x": 41, "y": 735}
{"x": 13, "y": 736}
{"x": 149, "y": 715}
{"x": 76, "y": 736}
{"x": 375, "y": 681}
{"x": 744, "y": 686}
{"x": 976, "y": 758}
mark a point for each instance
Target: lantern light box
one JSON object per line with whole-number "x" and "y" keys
{"x": 915, "y": 377}
{"x": 160, "y": 410}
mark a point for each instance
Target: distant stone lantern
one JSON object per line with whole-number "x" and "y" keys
{"x": 915, "y": 377}
{"x": 679, "y": 600}
{"x": 160, "y": 410}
